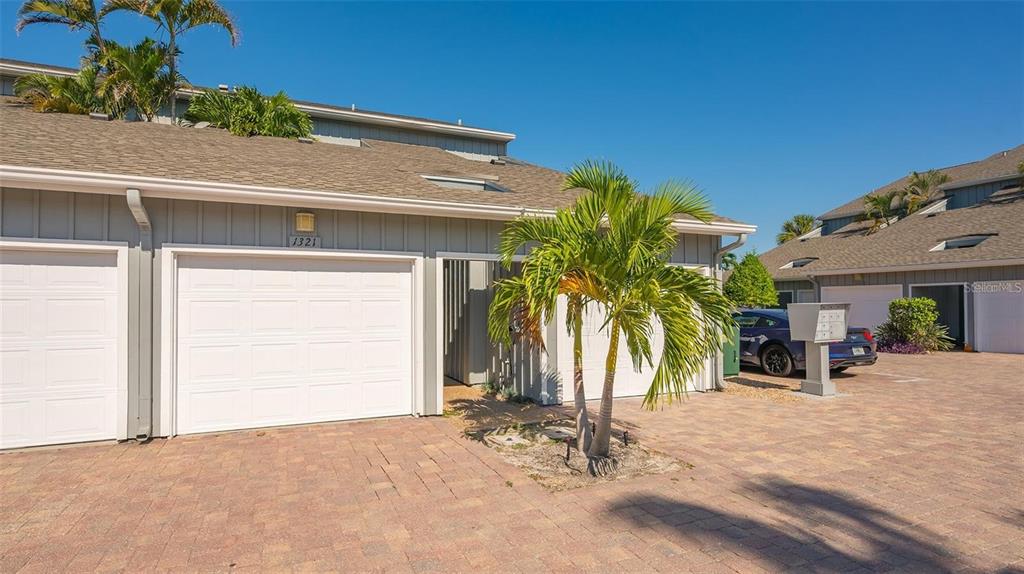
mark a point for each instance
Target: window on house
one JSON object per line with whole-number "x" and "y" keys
{"x": 464, "y": 183}
{"x": 962, "y": 242}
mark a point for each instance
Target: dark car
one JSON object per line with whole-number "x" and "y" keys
{"x": 765, "y": 343}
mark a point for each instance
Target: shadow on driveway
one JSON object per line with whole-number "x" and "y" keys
{"x": 817, "y": 530}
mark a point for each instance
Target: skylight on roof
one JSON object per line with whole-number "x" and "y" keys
{"x": 963, "y": 242}
{"x": 464, "y": 183}
{"x": 801, "y": 262}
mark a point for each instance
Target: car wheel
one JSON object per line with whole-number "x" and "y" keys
{"x": 775, "y": 360}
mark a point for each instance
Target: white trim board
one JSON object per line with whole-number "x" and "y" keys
{"x": 115, "y": 184}
{"x": 168, "y": 296}
{"x": 120, "y": 249}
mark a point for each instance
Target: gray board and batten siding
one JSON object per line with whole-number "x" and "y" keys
{"x": 100, "y": 217}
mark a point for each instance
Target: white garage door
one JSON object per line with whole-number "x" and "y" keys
{"x": 59, "y": 327}
{"x": 999, "y": 316}
{"x": 869, "y": 303}
{"x": 270, "y": 341}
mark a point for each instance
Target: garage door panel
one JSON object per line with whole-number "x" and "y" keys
{"x": 212, "y": 363}
{"x": 334, "y": 400}
{"x": 277, "y": 404}
{"x": 332, "y": 315}
{"x": 80, "y": 417}
{"x": 278, "y": 360}
{"x": 213, "y": 409}
{"x": 210, "y": 317}
{"x": 78, "y": 317}
{"x": 304, "y": 341}
{"x": 59, "y": 313}
{"x": 331, "y": 357}
{"x": 869, "y": 304}
{"x": 79, "y": 367}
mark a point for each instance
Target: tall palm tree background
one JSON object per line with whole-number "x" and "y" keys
{"x": 75, "y": 14}
{"x": 795, "y": 227}
{"x": 920, "y": 190}
{"x": 177, "y": 17}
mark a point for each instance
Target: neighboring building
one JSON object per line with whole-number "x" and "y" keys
{"x": 159, "y": 280}
{"x": 965, "y": 250}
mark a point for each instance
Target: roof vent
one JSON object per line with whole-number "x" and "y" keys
{"x": 353, "y": 107}
{"x": 306, "y": 140}
{"x": 222, "y": 88}
{"x": 100, "y": 116}
{"x": 497, "y": 161}
{"x": 460, "y": 121}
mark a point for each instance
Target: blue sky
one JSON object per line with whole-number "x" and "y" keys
{"x": 772, "y": 108}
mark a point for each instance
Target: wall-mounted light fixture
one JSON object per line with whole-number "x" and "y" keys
{"x": 305, "y": 222}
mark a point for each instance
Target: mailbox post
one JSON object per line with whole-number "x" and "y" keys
{"x": 818, "y": 324}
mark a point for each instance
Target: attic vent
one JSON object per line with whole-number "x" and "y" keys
{"x": 963, "y": 242}
{"x": 801, "y": 262}
{"x": 464, "y": 183}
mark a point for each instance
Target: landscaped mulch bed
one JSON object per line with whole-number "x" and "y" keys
{"x": 540, "y": 450}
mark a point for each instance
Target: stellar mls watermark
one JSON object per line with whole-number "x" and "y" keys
{"x": 984, "y": 287}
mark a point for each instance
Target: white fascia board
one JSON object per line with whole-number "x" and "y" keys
{"x": 19, "y": 69}
{"x": 917, "y": 267}
{"x": 91, "y": 182}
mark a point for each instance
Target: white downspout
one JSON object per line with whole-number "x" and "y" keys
{"x": 717, "y": 377}
{"x": 144, "y": 280}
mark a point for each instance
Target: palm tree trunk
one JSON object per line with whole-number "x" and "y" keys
{"x": 602, "y": 439}
{"x": 583, "y": 434}
{"x": 172, "y": 66}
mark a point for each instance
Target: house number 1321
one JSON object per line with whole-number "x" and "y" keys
{"x": 303, "y": 241}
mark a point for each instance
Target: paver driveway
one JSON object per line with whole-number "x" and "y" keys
{"x": 918, "y": 467}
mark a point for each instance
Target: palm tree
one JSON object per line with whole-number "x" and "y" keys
{"x": 557, "y": 265}
{"x": 138, "y": 78}
{"x": 880, "y": 208}
{"x": 799, "y": 225}
{"x": 247, "y": 112}
{"x": 75, "y": 14}
{"x": 920, "y": 189}
{"x": 178, "y": 17}
{"x": 637, "y": 287}
{"x": 77, "y": 94}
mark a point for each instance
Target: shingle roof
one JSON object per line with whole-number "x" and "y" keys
{"x": 376, "y": 169}
{"x": 909, "y": 241}
{"x": 999, "y": 164}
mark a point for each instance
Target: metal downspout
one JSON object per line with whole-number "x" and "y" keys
{"x": 718, "y": 377}
{"x": 143, "y": 316}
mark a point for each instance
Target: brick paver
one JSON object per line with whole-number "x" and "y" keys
{"x": 917, "y": 467}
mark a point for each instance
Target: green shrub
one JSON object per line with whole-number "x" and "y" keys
{"x": 247, "y": 112}
{"x": 914, "y": 320}
{"x": 750, "y": 284}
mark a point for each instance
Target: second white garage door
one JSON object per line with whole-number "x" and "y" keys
{"x": 869, "y": 303}
{"x": 999, "y": 316}
{"x": 272, "y": 341}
